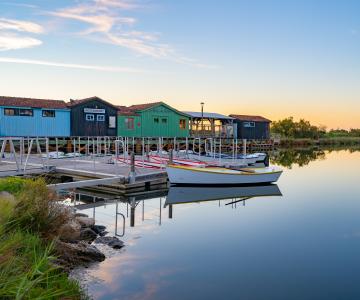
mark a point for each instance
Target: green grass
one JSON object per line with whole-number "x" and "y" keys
{"x": 27, "y": 270}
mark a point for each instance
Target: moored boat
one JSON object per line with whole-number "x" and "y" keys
{"x": 222, "y": 176}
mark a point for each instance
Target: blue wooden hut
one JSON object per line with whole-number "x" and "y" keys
{"x": 33, "y": 117}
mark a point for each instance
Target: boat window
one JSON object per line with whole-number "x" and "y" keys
{"x": 129, "y": 123}
{"x": 90, "y": 117}
{"x": 100, "y": 118}
{"x": 48, "y": 113}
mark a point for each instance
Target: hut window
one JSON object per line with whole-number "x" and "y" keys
{"x": 48, "y": 113}
{"x": 182, "y": 124}
{"x": 129, "y": 123}
{"x": 156, "y": 120}
{"x": 249, "y": 124}
{"x": 11, "y": 111}
{"x": 100, "y": 118}
{"x": 90, "y": 117}
{"x": 26, "y": 112}
{"x": 164, "y": 121}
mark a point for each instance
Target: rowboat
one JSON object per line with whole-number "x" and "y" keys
{"x": 222, "y": 176}
{"x": 188, "y": 194}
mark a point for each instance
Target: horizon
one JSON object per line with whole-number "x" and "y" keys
{"x": 277, "y": 59}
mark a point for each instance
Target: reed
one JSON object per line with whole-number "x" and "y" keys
{"x": 27, "y": 269}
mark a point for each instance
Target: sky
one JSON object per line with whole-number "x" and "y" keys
{"x": 260, "y": 57}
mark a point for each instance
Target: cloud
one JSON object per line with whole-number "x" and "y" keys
{"x": 106, "y": 20}
{"x": 24, "y": 26}
{"x": 10, "y": 39}
{"x": 8, "y": 42}
{"x": 68, "y": 65}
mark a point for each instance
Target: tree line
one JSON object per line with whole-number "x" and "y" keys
{"x": 289, "y": 128}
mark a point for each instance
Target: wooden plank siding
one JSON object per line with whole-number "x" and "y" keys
{"x": 80, "y": 126}
{"x": 159, "y": 120}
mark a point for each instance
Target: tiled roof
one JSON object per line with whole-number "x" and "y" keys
{"x": 30, "y": 102}
{"x": 79, "y": 101}
{"x": 250, "y": 118}
{"x": 131, "y": 110}
{"x": 138, "y": 107}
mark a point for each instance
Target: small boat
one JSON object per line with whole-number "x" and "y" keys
{"x": 187, "y": 194}
{"x": 54, "y": 155}
{"x": 221, "y": 176}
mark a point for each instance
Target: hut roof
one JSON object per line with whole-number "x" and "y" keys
{"x": 31, "y": 102}
{"x": 73, "y": 102}
{"x": 250, "y": 118}
{"x": 207, "y": 115}
{"x": 134, "y": 109}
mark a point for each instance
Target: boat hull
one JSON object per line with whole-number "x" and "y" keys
{"x": 205, "y": 176}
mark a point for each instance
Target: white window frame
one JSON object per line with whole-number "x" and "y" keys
{"x": 100, "y": 118}
{"x": 90, "y": 117}
{"x": 249, "y": 124}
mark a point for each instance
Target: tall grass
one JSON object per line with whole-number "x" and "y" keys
{"x": 27, "y": 270}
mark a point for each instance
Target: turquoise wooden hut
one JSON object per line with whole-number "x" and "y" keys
{"x": 152, "y": 120}
{"x": 27, "y": 117}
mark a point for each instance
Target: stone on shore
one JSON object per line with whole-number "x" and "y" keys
{"x": 88, "y": 234}
{"x": 70, "y": 231}
{"x": 112, "y": 242}
{"x": 85, "y": 221}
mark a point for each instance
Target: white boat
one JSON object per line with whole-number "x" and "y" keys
{"x": 54, "y": 155}
{"x": 187, "y": 194}
{"x": 222, "y": 176}
{"x": 261, "y": 156}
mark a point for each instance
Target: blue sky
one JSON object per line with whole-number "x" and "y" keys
{"x": 274, "y": 58}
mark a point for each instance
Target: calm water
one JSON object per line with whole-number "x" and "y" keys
{"x": 304, "y": 244}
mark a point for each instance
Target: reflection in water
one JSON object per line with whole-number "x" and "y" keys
{"x": 302, "y": 245}
{"x": 176, "y": 195}
{"x": 302, "y": 157}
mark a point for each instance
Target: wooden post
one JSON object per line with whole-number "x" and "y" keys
{"x": 244, "y": 146}
{"x": 132, "y": 168}
{"x": 171, "y": 156}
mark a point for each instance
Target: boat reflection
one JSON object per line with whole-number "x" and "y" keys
{"x": 178, "y": 195}
{"x": 144, "y": 208}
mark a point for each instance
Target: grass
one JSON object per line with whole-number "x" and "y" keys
{"x": 28, "y": 223}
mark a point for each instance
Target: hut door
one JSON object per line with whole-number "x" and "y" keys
{"x": 164, "y": 125}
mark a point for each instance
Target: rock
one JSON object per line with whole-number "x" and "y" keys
{"x": 70, "y": 231}
{"x": 98, "y": 228}
{"x": 81, "y": 215}
{"x": 103, "y": 233}
{"x": 112, "y": 242}
{"x": 71, "y": 255}
{"x": 85, "y": 221}
{"x": 88, "y": 234}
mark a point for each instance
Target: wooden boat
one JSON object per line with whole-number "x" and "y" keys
{"x": 221, "y": 176}
{"x": 187, "y": 194}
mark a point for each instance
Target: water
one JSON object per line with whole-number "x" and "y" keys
{"x": 304, "y": 244}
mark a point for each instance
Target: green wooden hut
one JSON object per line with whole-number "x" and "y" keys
{"x": 152, "y": 120}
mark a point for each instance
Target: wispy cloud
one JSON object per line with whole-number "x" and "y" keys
{"x": 10, "y": 42}
{"x": 69, "y": 65}
{"x": 107, "y": 20}
{"x": 12, "y": 35}
{"x": 17, "y": 25}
